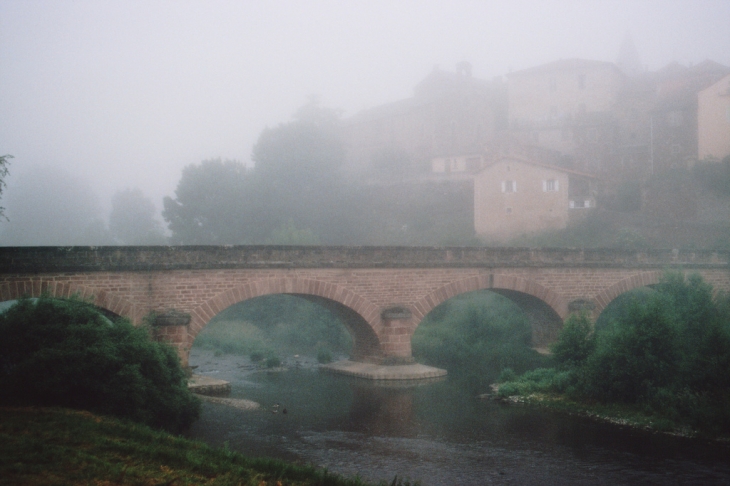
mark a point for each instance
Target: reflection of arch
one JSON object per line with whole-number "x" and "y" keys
{"x": 359, "y": 316}
{"x": 545, "y": 309}
{"x": 642, "y": 279}
{"x": 107, "y": 301}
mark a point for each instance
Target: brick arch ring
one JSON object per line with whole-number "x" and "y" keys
{"x": 362, "y": 316}
{"x": 100, "y": 298}
{"x": 491, "y": 282}
{"x": 642, "y": 279}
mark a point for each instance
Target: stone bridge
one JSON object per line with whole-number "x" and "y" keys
{"x": 380, "y": 293}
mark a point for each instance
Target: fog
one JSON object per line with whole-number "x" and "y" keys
{"x": 124, "y": 94}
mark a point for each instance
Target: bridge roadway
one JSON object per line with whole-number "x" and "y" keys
{"x": 381, "y": 293}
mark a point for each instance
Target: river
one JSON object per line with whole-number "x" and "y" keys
{"x": 436, "y": 433}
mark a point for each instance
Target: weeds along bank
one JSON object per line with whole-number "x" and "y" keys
{"x": 657, "y": 357}
{"x": 61, "y": 446}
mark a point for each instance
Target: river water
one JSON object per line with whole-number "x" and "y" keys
{"x": 436, "y": 433}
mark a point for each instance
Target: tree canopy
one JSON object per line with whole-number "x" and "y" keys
{"x": 4, "y": 162}
{"x": 132, "y": 219}
{"x": 65, "y": 353}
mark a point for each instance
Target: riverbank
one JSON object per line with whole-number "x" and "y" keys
{"x": 40, "y": 446}
{"x": 617, "y": 414}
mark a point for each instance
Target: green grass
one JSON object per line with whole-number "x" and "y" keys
{"x": 40, "y": 446}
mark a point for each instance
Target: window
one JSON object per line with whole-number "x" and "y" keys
{"x": 551, "y": 185}
{"x": 508, "y": 210}
{"x": 579, "y": 203}
{"x": 509, "y": 186}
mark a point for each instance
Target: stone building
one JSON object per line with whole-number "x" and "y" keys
{"x": 568, "y": 106}
{"x": 713, "y": 120}
{"x": 674, "y": 116}
{"x": 515, "y": 197}
{"x": 450, "y": 114}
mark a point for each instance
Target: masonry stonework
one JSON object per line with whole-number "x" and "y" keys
{"x": 361, "y": 285}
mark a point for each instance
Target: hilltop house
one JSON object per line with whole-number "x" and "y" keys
{"x": 713, "y": 119}
{"x": 515, "y": 197}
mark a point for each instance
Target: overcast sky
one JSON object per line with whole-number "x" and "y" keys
{"x": 126, "y": 93}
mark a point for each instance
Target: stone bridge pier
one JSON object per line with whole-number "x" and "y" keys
{"x": 381, "y": 294}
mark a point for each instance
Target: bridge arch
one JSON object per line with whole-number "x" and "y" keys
{"x": 641, "y": 279}
{"x": 108, "y": 301}
{"x": 360, "y": 317}
{"x": 545, "y": 309}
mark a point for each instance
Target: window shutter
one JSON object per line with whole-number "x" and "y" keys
{"x": 544, "y": 186}
{"x": 557, "y": 186}
{"x": 504, "y": 186}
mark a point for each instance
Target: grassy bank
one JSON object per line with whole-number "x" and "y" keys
{"x": 40, "y": 446}
{"x": 615, "y": 413}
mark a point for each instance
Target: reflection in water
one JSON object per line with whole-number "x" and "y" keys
{"x": 440, "y": 434}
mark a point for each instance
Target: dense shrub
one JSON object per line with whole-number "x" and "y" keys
{"x": 286, "y": 323}
{"x": 575, "y": 342}
{"x": 666, "y": 351}
{"x": 64, "y": 353}
{"x": 477, "y": 336}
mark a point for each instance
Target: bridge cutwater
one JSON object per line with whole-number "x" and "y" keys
{"x": 380, "y": 293}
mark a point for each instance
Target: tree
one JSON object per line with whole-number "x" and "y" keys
{"x": 4, "y": 162}
{"x": 298, "y": 169}
{"x": 50, "y": 206}
{"x": 65, "y": 353}
{"x": 132, "y": 219}
{"x": 211, "y": 205}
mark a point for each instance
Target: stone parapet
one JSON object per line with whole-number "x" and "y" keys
{"x": 23, "y": 260}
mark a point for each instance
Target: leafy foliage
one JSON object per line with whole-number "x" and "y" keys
{"x": 211, "y": 205}
{"x": 132, "y": 219}
{"x": 576, "y": 341}
{"x": 666, "y": 352}
{"x": 4, "y": 162}
{"x": 281, "y": 322}
{"x": 69, "y": 213}
{"x": 477, "y": 336}
{"x": 64, "y": 353}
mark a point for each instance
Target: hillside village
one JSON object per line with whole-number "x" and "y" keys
{"x": 541, "y": 148}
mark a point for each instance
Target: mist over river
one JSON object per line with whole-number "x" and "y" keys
{"x": 437, "y": 433}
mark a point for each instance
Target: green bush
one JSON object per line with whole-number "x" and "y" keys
{"x": 475, "y": 336}
{"x": 575, "y": 342}
{"x": 287, "y": 323}
{"x": 64, "y": 353}
{"x": 666, "y": 352}
{"x": 324, "y": 356}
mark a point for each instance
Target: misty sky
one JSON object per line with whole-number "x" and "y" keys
{"x": 126, "y": 93}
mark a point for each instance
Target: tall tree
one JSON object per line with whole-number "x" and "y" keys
{"x": 210, "y": 205}
{"x": 298, "y": 169}
{"x": 4, "y": 162}
{"x": 50, "y": 206}
{"x": 132, "y": 220}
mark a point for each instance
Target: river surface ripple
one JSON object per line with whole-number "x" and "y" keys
{"x": 437, "y": 433}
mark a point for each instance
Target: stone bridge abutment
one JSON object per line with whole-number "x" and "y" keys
{"x": 381, "y": 294}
